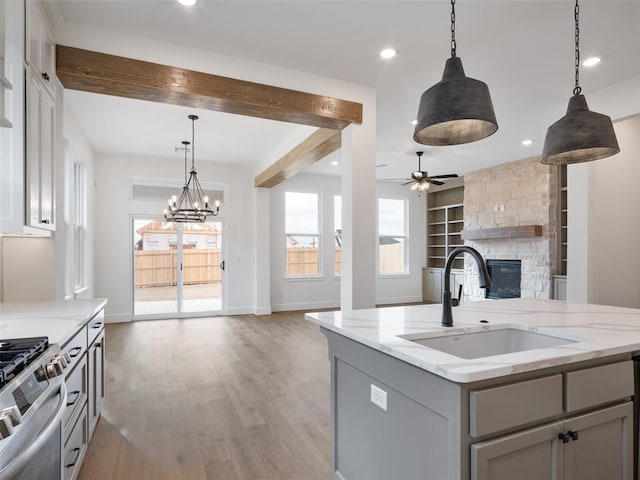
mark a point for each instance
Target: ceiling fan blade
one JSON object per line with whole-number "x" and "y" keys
{"x": 434, "y": 182}
{"x": 451, "y": 175}
{"x": 407, "y": 183}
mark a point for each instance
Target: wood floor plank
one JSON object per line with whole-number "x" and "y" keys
{"x": 224, "y": 398}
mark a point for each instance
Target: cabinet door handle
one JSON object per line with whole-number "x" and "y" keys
{"x": 76, "y": 351}
{"x": 75, "y": 460}
{"x": 45, "y": 220}
{"x": 98, "y": 345}
{"x": 97, "y": 325}
{"x": 77, "y": 395}
{"x": 573, "y": 435}
{"x": 564, "y": 437}
{"x": 45, "y": 75}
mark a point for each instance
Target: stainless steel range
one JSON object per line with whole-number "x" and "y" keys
{"x": 33, "y": 399}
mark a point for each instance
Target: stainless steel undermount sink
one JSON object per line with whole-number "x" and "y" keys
{"x": 482, "y": 342}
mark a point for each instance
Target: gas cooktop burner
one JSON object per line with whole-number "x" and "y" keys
{"x": 17, "y": 353}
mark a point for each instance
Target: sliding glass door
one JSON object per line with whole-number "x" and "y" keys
{"x": 178, "y": 269}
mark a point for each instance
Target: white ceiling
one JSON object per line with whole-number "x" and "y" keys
{"x": 522, "y": 49}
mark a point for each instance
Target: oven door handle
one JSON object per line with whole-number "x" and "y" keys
{"x": 18, "y": 463}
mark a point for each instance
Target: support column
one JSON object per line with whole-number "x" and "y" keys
{"x": 359, "y": 210}
{"x": 263, "y": 253}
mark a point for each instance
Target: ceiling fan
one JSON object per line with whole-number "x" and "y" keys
{"x": 422, "y": 181}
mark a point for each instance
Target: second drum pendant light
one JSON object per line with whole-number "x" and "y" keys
{"x": 457, "y": 109}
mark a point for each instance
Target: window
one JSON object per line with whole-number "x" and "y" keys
{"x": 302, "y": 233}
{"x": 337, "y": 232}
{"x": 80, "y": 226}
{"x": 392, "y": 234}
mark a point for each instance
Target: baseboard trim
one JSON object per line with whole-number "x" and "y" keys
{"x": 240, "y": 311}
{"x": 287, "y": 307}
{"x": 117, "y": 317}
{"x": 392, "y": 300}
{"x": 263, "y": 311}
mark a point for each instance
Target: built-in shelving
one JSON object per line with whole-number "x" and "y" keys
{"x": 445, "y": 221}
{"x": 562, "y": 221}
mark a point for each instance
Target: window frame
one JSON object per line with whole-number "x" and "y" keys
{"x": 317, "y": 235}
{"x": 405, "y": 205}
{"x": 80, "y": 241}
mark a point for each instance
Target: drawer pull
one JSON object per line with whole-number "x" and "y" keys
{"x": 75, "y": 460}
{"x": 76, "y": 351}
{"x": 97, "y": 325}
{"x": 564, "y": 437}
{"x": 573, "y": 435}
{"x": 77, "y": 395}
{"x": 45, "y": 75}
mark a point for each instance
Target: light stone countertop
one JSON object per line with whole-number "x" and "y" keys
{"x": 58, "y": 320}
{"x": 597, "y": 331}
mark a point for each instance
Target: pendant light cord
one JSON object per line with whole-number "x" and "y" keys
{"x": 576, "y": 15}
{"x": 453, "y": 28}
{"x": 193, "y": 141}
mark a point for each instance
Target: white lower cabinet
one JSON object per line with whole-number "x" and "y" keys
{"x": 75, "y": 448}
{"x": 432, "y": 285}
{"x": 96, "y": 381}
{"x": 593, "y": 446}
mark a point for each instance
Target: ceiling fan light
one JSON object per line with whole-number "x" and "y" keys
{"x": 456, "y": 110}
{"x": 580, "y": 136}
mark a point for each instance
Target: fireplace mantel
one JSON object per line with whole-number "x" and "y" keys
{"x": 521, "y": 231}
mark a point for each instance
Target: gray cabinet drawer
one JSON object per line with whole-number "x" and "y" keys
{"x": 76, "y": 347}
{"x": 95, "y": 326}
{"x": 494, "y": 409}
{"x": 598, "y": 385}
{"x": 75, "y": 448}
{"x": 76, "y": 394}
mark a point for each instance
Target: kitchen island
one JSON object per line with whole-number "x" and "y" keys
{"x": 486, "y": 399}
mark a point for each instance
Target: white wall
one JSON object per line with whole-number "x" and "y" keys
{"x": 589, "y": 217}
{"x": 323, "y": 291}
{"x": 112, "y": 233}
{"x": 615, "y": 221}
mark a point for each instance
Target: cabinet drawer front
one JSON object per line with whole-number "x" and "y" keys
{"x": 96, "y": 325}
{"x": 75, "y": 448}
{"x": 495, "y": 409}
{"x": 77, "y": 393}
{"x": 76, "y": 347}
{"x": 598, "y": 385}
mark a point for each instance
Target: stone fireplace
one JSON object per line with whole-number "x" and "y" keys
{"x": 517, "y": 194}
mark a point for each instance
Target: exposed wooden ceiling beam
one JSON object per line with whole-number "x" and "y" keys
{"x": 125, "y": 77}
{"x": 315, "y": 147}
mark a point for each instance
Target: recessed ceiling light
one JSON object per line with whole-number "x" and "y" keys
{"x": 527, "y": 142}
{"x": 334, "y": 163}
{"x": 591, "y": 61}
{"x": 188, "y": 3}
{"x": 388, "y": 53}
{"x": 414, "y": 122}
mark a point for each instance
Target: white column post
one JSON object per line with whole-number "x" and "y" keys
{"x": 263, "y": 252}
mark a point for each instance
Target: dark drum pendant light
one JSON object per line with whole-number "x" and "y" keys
{"x": 581, "y": 135}
{"x": 457, "y": 109}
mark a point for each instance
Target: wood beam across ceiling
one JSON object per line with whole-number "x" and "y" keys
{"x": 315, "y": 147}
{"x": 97, "y": 72}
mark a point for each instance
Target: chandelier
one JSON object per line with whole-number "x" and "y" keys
{"x": 192, "y": 206}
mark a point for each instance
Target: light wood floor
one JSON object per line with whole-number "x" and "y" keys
{"x": 220, "y": 398}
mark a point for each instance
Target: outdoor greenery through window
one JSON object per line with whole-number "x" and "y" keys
{"x": 302, "y": 233}
{"x": 392, "y": 234}
{"x": 337, "y": 232}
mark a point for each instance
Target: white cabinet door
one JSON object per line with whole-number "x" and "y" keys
{"x": 40, "y": 165}
{"x": 432, "y": 289}
{"x": 96, "y": 381}
{"x": 41, "y": 48}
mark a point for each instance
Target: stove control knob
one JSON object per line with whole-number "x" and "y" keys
{"x": 13, "y": 414}
{"x": 53, "y": 368}
{"x": 61, "y": 360}
{"x": 6, "y": 426}
{"x": 66, "y": 356}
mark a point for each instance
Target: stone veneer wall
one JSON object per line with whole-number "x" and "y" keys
{"x": 523, "y": 192}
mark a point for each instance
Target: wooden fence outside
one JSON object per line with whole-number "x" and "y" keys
{"x": 156, "y": 268}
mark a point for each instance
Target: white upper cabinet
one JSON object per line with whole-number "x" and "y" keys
{"x": 40, "y": 51}
{"x": 12, "y": 216}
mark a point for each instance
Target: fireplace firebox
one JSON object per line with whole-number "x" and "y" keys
{"x": 505, "y": 279}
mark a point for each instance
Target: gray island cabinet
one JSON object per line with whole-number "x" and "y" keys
{"x": 573, "y": 422}
{"x": 405, "y": 406}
